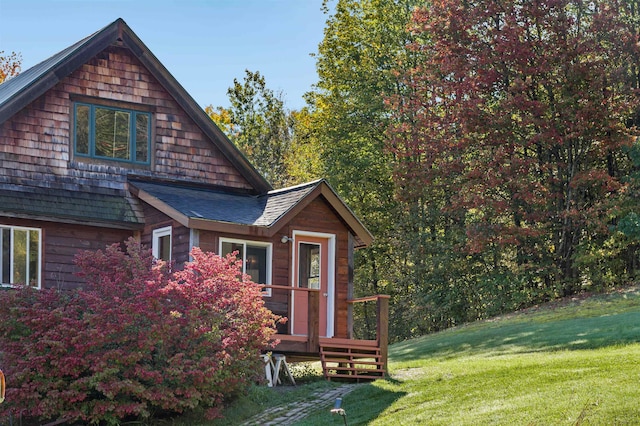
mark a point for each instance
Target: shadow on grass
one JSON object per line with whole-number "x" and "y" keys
{"x": 505, "y": 336}
{"x": 361, "y": 405}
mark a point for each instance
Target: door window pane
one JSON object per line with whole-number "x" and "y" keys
{"x": 309, "y": 266}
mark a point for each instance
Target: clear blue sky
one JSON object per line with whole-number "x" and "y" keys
{"x": 205, "y": 44}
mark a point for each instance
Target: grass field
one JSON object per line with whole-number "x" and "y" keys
{"x": 569, "y": 363}
{"x": 572, "y": 363}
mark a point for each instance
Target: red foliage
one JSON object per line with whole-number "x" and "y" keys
{"x": 137, "y": 341}
{"x": 513, "y": 114}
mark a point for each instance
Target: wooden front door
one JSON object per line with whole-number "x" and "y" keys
{"x": 312, "y": 270}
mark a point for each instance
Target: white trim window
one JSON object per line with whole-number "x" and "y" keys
{"x": 20, "y": 255}
{"x": 256, "y": 259}
{"x": 161, "y": 244}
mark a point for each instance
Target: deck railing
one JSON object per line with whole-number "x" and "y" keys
{"x": 313, "y": 311}
{"x": 312, "y": 340}
{"x": 382, "y": 320}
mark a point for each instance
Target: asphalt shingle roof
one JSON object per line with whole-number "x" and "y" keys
{"x": 77, "y": 206}
{"x": 243, "y": 209}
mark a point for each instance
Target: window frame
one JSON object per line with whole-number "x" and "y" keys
{"x": 12, "y": 229}
{"x": 269, "y": 258}
{"x": 166, "y": 231}
{"x": 91, "y": 132}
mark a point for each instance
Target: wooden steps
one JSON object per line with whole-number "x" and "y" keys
{"x": 351, "y": 359}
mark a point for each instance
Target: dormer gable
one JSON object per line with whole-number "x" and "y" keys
{"x": 111, "y": 77}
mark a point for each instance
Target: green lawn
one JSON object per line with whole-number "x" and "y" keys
{"x": 569, "y": 363}
{"x": 564, "y": 364}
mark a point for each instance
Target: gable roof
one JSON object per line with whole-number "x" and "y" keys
{"x": 23, "y": 89}
{"x": 244, "y": 214}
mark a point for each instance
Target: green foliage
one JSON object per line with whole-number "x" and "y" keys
{"x": 305, "y": 372}
{"x": 509, "y": 155}
{"x": 356, "y": 60}
{"x": 304, "y": 162}
{"x": 258, "y": 123}
{"x": 138, "y": 342}
{"x": 629, "y": 225}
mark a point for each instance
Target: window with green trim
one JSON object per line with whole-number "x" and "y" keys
{"x": 112, "y": 133}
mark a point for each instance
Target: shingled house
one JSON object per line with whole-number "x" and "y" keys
{"x": 100, "y": 143}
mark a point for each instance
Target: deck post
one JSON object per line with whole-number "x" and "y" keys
{"x": 313, "y": 333}
{"x": 383, "y": 328}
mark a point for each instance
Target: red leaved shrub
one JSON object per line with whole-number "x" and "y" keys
{"x": 136, "y": 342}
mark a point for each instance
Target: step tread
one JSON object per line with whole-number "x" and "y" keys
{"x": 348, "y": 342}
{"x": 357, "y": 376}
{"x": 354, "y": 362}
{"x": 358, "y": 354}
{"x": 367, "y": 370}
{"x": 350, "y": 349}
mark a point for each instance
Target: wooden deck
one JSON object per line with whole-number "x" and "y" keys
{"x": 341, "y": 357}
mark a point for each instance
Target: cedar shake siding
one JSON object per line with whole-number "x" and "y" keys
{"x": 37, "y": 144}
{"x": 60, "y": 244}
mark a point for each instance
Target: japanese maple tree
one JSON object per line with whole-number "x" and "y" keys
{"x": 136, "y": 342}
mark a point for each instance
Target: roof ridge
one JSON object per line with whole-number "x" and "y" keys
{"x": 294, "y": 187}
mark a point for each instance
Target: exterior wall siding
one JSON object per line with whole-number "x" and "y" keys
{"x": 61, "y": 243}
{"x": 317, "y": 217}
{"x": 36, "y": 146}
{"x": 180, "y": 235}
{"x": 36, "y": 151}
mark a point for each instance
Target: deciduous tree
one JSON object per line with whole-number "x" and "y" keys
{"x": 515, "y": 133}
{"x": 357, "y": 63}
{"x": 9, "y": 65}
{"x": 258, "y": 123}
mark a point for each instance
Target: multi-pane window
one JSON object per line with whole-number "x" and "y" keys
{"x": 20, "y": 250}
{"x": 112, "y": 133}
{"x": 256, "y": 259}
